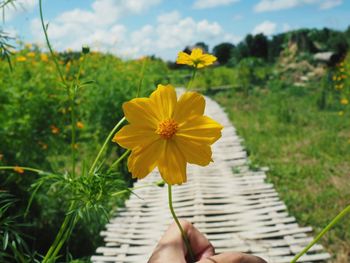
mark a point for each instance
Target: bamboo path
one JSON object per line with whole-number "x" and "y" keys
{"x": 230, "y": 203}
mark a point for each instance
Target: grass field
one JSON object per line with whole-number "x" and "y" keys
{"x": 306, "y": 149}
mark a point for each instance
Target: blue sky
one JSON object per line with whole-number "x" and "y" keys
{"x": 132, "y": 28}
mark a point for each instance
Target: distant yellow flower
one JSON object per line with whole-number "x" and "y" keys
{"x": 54, "y": 129}
{"x": 344, "y": 101}
{"x": 197, "y": 59}
{"x": 44, "y": 57}
{"x": 18, "y": 169}
{"x": 80, "y": 125}
{"x": 21, "y": 59}
{"x": 31, "y": 54}
{"x": 334, "y": 78}
{"x": 167, "y": 134}
{"x": 341, "y": 113}
{"x": 28, "y": 46}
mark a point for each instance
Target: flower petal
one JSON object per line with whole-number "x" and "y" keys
{"x": 184, "y": 58}
{"x": 143, "y": 160}
{"x": 132, "y": 136}
{"x": 140, "y": 111}
{"x": 164, "y": 99}
{"x": 208, "y": 59}
{"x": 201, "y": 129}
{"x": 189, "y": 105}
{"x": 194, "y": 152}
{"x": 172, "y": 164}
{"x": 196, "y": 53}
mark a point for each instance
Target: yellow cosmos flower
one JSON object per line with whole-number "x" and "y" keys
{"x": 21, "y": 59}
{"x": 44, "y": 57}
{"x": 31, "y": 54}
{"x": 167, "y": 134}
{"x": 197, "y": 59}
{"x": 344, "y": 101}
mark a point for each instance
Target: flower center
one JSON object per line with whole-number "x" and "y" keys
{"x": 166, "y": 129}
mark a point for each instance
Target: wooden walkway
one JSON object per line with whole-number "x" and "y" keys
{"x": 231, "y": 204}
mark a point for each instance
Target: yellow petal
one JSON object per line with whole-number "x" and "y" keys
{"x": 196, "y": 53}
{"x": 143, "y": 160}
{"x": 172, "y": 164}
{"x": 201, "y": 129}
{"x": 184, "y": 58}
{"x": 164, "y": 99}
{"x": 132, "y": 136}
{"x": 189, "y": 105}
{"x": 194, "y": 152}
{"x": 208, "y": 59}
{"x": 140, "y": 111}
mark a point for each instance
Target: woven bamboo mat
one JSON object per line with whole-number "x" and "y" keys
{"x": 231, "y": 204}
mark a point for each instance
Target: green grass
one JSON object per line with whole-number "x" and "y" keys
{"x": 307, "y": 151}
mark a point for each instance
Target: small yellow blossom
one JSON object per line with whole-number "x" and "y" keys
{"x": 344, "y": 101}
{"x": 341, "y": 113}
{"x": 28, "y": 46}
{"x": 334, "y": 78}
{"x": 80, "y": 125}
{"x": 54, "y": 129}
{"x": 167, "y": 133}
{"x": 18, "y": 169}
{"x": 197, "y": 59}
{"x": 21, "y": 59}
{"x": 44, "y": 57}
{"x": 31, "y": 54}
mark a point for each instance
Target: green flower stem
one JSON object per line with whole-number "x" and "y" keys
{"x": 335, "y": 220}
{"x": 189, "y": 84}
{"x": 119, "y": 159}
{"x": 116, "y": 127}
{"x": 49, "y": 44}
{"x": 66, "y": 235}
{"x": 59, "y": 236}
{"x": 159, "y": 183}
{"x": 24, "y": 168}
{"x": 141, "y": 77}
{"x": 73, "y": 134}
{"x": 184, "y": 236}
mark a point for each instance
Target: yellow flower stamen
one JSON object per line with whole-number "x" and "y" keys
{"x": 166, "y": 129}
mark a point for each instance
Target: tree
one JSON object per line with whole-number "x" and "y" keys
{"x": 203, "y": 46}
{"x": 223, "y": 52}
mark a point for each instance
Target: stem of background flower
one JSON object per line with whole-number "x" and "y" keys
{"x": 138, "y": 187}
{"x": 119, "y": 159}
{"x": 343, "y": 213}
{"x": 49, "y": 44}
{"x": 58, "y": 238}
{"x": 184, "y": 236}
{"x": 116, "y": 127}
{"x": 24, "y": 168}
{"x": 72, "y": 116}
{"x": 141, "y": 77}
{"x": 189, "y": 84}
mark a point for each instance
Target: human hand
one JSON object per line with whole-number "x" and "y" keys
{"x": 171, "y": 248}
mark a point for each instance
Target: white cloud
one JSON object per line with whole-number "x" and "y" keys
{"x": 275, "y": 5}
{"x": 202, "y": 4}
{"x": 19, "y": 7}
{"x": 266, "y": 27}
{"x": 286, "y": 27}
{"x": 102, "y": 31}
{"x": 237, "y": 17}
{"x": 328, "y": 4}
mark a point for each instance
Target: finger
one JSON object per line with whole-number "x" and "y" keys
{"x": 200, "y": 245}
{"x": 171, "y": 247}
{"x": 233, "y": 257}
